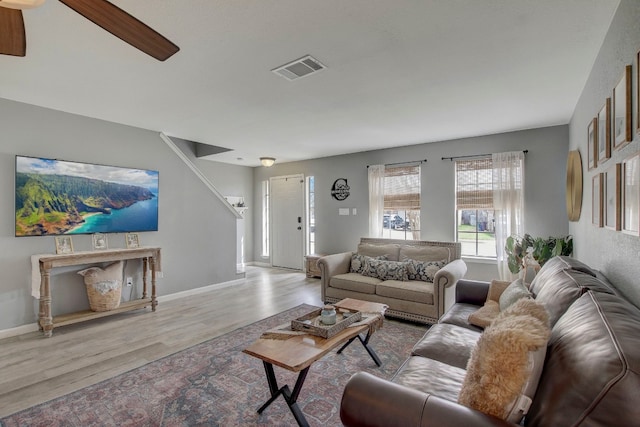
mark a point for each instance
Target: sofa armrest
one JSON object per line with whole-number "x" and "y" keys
{"x": 472, "y": 292}
{"x": 332, "y": 265}
{"x": 369, "y": 401}
{"x": 444, "y": 278}
{"x": 451, "y": 273}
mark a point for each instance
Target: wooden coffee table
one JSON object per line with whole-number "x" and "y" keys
{"x": 298, "y": 353}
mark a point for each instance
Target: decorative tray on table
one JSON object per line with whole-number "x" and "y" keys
{"x": 311, "y": 324}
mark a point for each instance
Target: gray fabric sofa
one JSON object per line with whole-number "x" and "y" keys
{"x": 414, "y": 300}
{"x": 590, "y": 376}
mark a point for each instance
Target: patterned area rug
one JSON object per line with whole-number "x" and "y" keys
{"x": 215, "y": 384}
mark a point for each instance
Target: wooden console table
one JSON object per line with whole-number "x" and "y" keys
{"x": 150, "y": 259}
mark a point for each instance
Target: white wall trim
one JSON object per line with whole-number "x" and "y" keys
{"x": 479, "y": 260}
{"x": 20, "y": 330}
{"x": 259, "y": 264}
{"x": 199, "y": 174}
{"x": 197, "y": 291}
{"x": 33, "y": 327}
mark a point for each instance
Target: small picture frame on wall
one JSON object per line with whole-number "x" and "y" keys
{"x": 631, "y": 194}
{"x": 99, "y": 241}
{"x": 621, "y": 112}
{"x": 604, "y": 133}
{"x": 612, "y": 196}
{"x": 64, "y": 245}
{"x": 592, "y": 143}
{"x": 132, "y": 240}
{"x": 596, "y": 200}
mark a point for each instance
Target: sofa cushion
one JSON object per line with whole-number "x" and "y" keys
{"x": 496, "y": 288}
{"x": 587, "y": 282}
{"x": 605, "y": 282}
{"x": 557, "y": 293}
{"x": 512, "y": 293}
{"x": 485, "y": 314}
{"x": 458, "y": 315}
{"x": 562, "y": 288}
{"x": 555, "y": 264}
{"x": 430, "y": 376}
{"x": 385, "y": 270}
{"x": 391, "y": 251}
{"x": 491, "y": 308}
{"x": 448, "y": 344}
{"x": 592, "y": 372}
{"x": 504, "y": 368}
{"x": 409, "y": 291}
{"x": 355, "y": 282}
{"x": 359, "y": 262}
{"x": 423, "y": 270}
{"x": 425, "y": 253}
{"x": 529, "y": 308}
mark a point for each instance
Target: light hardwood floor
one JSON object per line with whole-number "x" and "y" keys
{"x": 34, "y": 369}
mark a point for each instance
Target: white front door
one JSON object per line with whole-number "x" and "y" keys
{"x": 287, "y": 221}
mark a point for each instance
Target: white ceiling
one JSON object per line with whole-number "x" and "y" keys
{"x": 399, "y": 72}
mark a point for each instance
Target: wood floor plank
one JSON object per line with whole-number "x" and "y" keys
{"x": 34, "y": 369}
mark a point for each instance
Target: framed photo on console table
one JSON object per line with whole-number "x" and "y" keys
{"x": 596, "y": 199}
{"x": 631, "y": 194}
{"x": 132, "y": 240}
{"x": 64, "y": 245}
{"x": 99, "y": 241}
{"x": 611, "y": 196}
{"x": 621, "y": 115}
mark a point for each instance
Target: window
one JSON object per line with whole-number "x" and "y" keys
{"x": 401, "y": 219}
{"x": 265, "y": 218}
{"x": 475, "y": 222}
{"x": 311, "y": 216}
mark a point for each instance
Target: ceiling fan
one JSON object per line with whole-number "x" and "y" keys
{"x": 100, "y": 12}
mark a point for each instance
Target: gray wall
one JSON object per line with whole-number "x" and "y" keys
{"x": 229, "y": 180}
{"x": 616, "y": 254}
{"x": 196, "y": 232}
{"x": 545, "y": 167}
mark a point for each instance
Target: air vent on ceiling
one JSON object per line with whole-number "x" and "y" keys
{"x": 299, "y": 68}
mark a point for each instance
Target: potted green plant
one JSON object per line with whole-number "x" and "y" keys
{"x": 517, "y": 248}
{"x": 540, "y": 249}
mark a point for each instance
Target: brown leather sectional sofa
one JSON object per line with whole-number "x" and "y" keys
{"x": 591, "y": 374}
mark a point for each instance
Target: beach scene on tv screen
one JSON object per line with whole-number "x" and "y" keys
{"x": 55, "y": 197}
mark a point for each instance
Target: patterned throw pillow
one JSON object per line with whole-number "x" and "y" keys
{"x": 423, "y": 270}
{"x": 359, "y": 262}
{"x": 385, "y": 270}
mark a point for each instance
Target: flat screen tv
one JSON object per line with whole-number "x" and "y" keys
{"x": 55, "y": 197}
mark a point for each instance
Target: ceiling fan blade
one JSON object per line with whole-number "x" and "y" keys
{"x": 124, "y": 26}
{"x": 12, "y": 38}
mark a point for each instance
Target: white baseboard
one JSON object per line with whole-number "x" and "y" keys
{"x": 259, "y": 264}
{"x": 197, "y": 291}
{"x": 33, "y": 327}
{"x": 19, "y": 330}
